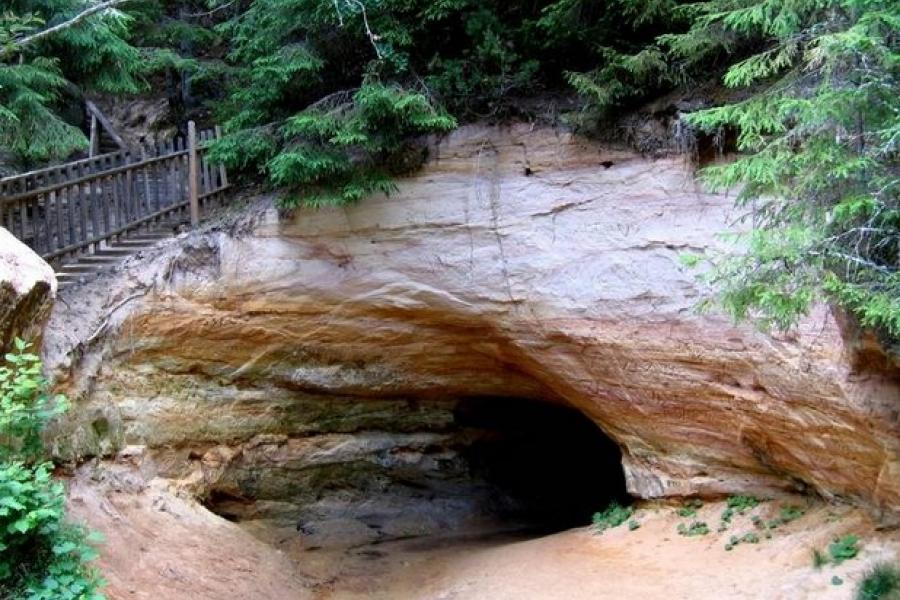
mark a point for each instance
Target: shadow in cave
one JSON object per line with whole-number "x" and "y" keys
{"x": 552, "y": 466}
{"x": 405, "y": 468}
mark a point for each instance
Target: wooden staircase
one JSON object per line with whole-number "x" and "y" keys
{"x": 87, "y": 216}
{"x": 113, "y": 253}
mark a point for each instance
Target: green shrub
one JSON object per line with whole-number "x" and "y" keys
{"x": 790, "y": 513}
{"x": 689, "y": 508}
{"x": 785, "y": 515}
{"x": 633, "y": 524}
{"x": 612, "y": 516}
{"x": 25, "y": 406}
{"x": 41, "y": 556}
{"x": 737, "y": 505}
{"x": 881, "y": 583}
{"x": 694, "y": 529}
{"x": 843, "y": 548}
{"x": 747, "y": 538}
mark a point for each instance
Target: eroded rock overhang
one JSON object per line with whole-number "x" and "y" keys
{"x": 520, "y": 262}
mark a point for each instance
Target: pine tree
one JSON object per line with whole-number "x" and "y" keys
{"x": 818, "y": 132}
{"x": 38, "y": 72}
{"x": 324, "y": 95}
{"x": 820, "y": 165}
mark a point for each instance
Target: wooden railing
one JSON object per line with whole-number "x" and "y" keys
{"x": 79, "y": 207}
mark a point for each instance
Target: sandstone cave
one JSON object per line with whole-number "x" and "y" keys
{"x": 477, "y": 466}
{"x": 325, "y": 300}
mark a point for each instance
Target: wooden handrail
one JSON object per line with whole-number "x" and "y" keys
{"x": 97, "y": 114}
{"x": 135, "y": 224}
{"x": 46, "y": 170}
{"x": 91, "y": 177}
{"x": 74, "y": 211}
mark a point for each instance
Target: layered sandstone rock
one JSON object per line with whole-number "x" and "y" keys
{"x": 27, "y": 289}
{"x": 521, "y": 263}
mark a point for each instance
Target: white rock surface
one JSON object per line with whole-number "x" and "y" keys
{"x": 27, "y": 290}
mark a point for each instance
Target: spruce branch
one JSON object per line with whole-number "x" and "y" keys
{"x": 18, "y": 45}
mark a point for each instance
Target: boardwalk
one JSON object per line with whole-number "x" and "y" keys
{"x": 67, "y": 211}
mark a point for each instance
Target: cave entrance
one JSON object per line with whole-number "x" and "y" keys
{"x": 373, "y": 471}
{"x": 550, "y": 466}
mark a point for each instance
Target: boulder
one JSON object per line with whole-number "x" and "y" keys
{"x": 27, "y": 291}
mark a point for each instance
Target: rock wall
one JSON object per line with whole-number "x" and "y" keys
{"x": 27, "y": 290}
{"x": 520, "y": 263}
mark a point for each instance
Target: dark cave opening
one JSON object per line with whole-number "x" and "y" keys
{"x": 552, "y": 464}
{"x": 384, "y": 470}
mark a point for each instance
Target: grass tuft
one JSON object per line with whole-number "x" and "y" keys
{"x": 881, "y": 583}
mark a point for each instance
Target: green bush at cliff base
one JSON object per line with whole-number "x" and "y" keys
{"x": 612, "y": 516}
{"x": 689, "y": 508}
{"x": 694, "y": 529}
{"x": 881, "y": 583}
{"x": 42, "y": 557}
{"x": 843, "y": 548}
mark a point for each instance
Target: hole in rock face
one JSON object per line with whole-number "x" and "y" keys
{"x": 554, "y": 465}
{"x": 383, "y": 470}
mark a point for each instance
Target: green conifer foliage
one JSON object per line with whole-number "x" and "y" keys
{"x": 35, "y": 78}
{"x": 324, "y": 95}
{"x": 818, "y": 133}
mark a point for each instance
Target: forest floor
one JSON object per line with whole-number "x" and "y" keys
{"x": 160, "y": 546}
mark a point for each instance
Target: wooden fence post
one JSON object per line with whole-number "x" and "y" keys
{"x": 223, "y": 174}
{"x": 193, "y": 174}
{"x": 95, "y": 137}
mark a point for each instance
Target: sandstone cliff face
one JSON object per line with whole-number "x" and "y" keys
{"x": 521, "y": 264}
{"x": 27, "y": 289}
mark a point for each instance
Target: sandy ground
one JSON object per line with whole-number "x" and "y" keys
{"x": 650, "y": 562}
{"x": 162, "y": 547}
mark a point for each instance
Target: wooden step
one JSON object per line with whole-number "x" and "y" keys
{"x": 114, "y": 252}
{"x": 66, "y": 279}
{"x": 79, "y": 268}
{"x": 102, "y": 259}
{"x": 152, "y": 236}
{"x": 134, "y": 243}
{"x": 66, "y": 276}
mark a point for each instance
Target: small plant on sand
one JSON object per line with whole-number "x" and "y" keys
{"x": 843, "y": 548}
{"x": 633, "y": 524}
{"x": 612, "y": 516}
{"x": 689, "y": 508}
{"x": 790, "y": 513}
{"x": 835, "y": 580}
{"x": 747, "y": 538}
{"x": 738, "y": 505}
{"x": 881, "y": 583}
{"x": 694, "y": 529}
{"x": 785, "y": 515}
